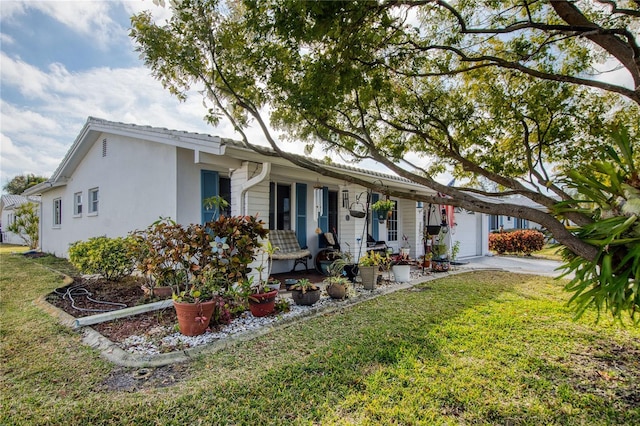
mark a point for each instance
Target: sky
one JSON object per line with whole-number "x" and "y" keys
{"x": 63, "y": 61}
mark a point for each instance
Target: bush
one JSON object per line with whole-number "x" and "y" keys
{"x": 26, "y": 224}
{"x": 110, "y": 257}
{"x": 523, "y": 241}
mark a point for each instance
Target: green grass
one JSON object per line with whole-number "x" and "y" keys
{"x": 549, "y": 252}
{"x": 484, "y": 347}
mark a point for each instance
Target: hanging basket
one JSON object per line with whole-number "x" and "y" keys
{"x": 357, "y": 210}
{"x": 433, "y": 230}
{"x": 383, "y": 215}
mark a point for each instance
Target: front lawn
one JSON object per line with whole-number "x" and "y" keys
{"x": 482, "y": 347}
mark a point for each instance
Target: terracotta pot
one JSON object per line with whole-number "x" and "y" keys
{"x": 336, "y": 291}
{"x": 369, "y": 276}
{"x": 194, "y": 318}
{"x": 262, "y": 304}
{"x": 307, "y": 299}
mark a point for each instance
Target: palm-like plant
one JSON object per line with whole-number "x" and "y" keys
{"x": 607, "y": 190}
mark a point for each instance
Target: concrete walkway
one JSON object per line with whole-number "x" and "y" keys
{"x": 525, "y": 265}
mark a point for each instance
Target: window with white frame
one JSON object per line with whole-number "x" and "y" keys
{"x": 77, "y": 204}
{"x": 93, "y": 201}
{"x": 57, "y": 212}
{"x": 392, "y": 224}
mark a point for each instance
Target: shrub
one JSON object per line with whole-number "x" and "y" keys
{"x": 242, "y": 234}
{"x": 26, "y": 224}
{"x": 110, "y": 257}
{"x": 523, "y": 241}
{"x": 221, "y": 312}
{"x": 170, "y": 254}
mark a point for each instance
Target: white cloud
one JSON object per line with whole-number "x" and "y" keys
{"x": 160, "y": 14}
{"x": 6, "y": 39}
{"x": 37, "y": 132}
{"x": 29, "y": 80}
{"x": 11, "y": 9}
{"x": 86, "y": 17}
{"x": 17, "y": 160}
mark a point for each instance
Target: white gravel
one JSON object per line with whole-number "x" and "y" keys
{"x": 167, "y": 339}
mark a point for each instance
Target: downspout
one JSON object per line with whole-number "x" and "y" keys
{"x": 266, "y": 169}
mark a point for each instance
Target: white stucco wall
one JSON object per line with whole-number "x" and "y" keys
{"x": 136, "y": 182}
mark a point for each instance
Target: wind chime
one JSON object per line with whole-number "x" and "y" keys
{"x": 318, "y": 204}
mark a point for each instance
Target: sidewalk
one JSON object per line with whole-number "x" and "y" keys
{"x": 525, "y": 265}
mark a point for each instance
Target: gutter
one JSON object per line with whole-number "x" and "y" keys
{"x": 266, "y": 169}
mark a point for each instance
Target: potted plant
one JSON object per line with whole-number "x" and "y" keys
{"x": 406, "y": 247}
{"x": 336, "y": 284}
{"x": 305, "y": 293}
{"x": 440, "y": 260}
{"x": 337, "y": 287}
{"x": 383, "y": 209}
{"x": 426, "y": 260}
{"x": 401, "y": 267}
{"x": 261, "y": 298}
{"x": 369, "y": 267}
{"x": 200, "y": 261}
{"x": 195, "y": 305}
{"x": 341, "y": 263}
{"x": 274, "y": 283}
{"x": 201, "y": 256}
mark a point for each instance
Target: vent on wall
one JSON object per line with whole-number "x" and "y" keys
{"x": 104, "y": 147}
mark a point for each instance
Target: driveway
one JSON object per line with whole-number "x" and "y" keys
{"x": 528, "y": 265}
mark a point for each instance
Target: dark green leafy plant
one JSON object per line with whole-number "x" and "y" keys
{"x": 198, "y": 261}
{"x": 113, "y": 258}
{"x": 242, "y": 234}
{"x": 609, "y": 191}
{"x": 161, "y": 254}
{"x": 282, "y": 305}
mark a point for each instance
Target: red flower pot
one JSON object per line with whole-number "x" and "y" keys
{"x": 262, "y": 304}
{"x": 194, "y": 318}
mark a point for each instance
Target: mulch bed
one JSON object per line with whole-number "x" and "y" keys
{"x": 76, "y": 300}
{"x": 82, "y": 298}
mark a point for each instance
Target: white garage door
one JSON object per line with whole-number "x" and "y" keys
{"x": 466, "y": 232}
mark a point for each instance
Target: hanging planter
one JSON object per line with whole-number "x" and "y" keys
{"x": 357, "y": 210}
{"x": 433, "y": 230}
{"x": 383, "y": 209}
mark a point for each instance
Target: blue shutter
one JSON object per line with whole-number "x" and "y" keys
{"x": 208, "y": 188}
{"x": 375, "y": 228}
{"x": 301, "y": 213}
